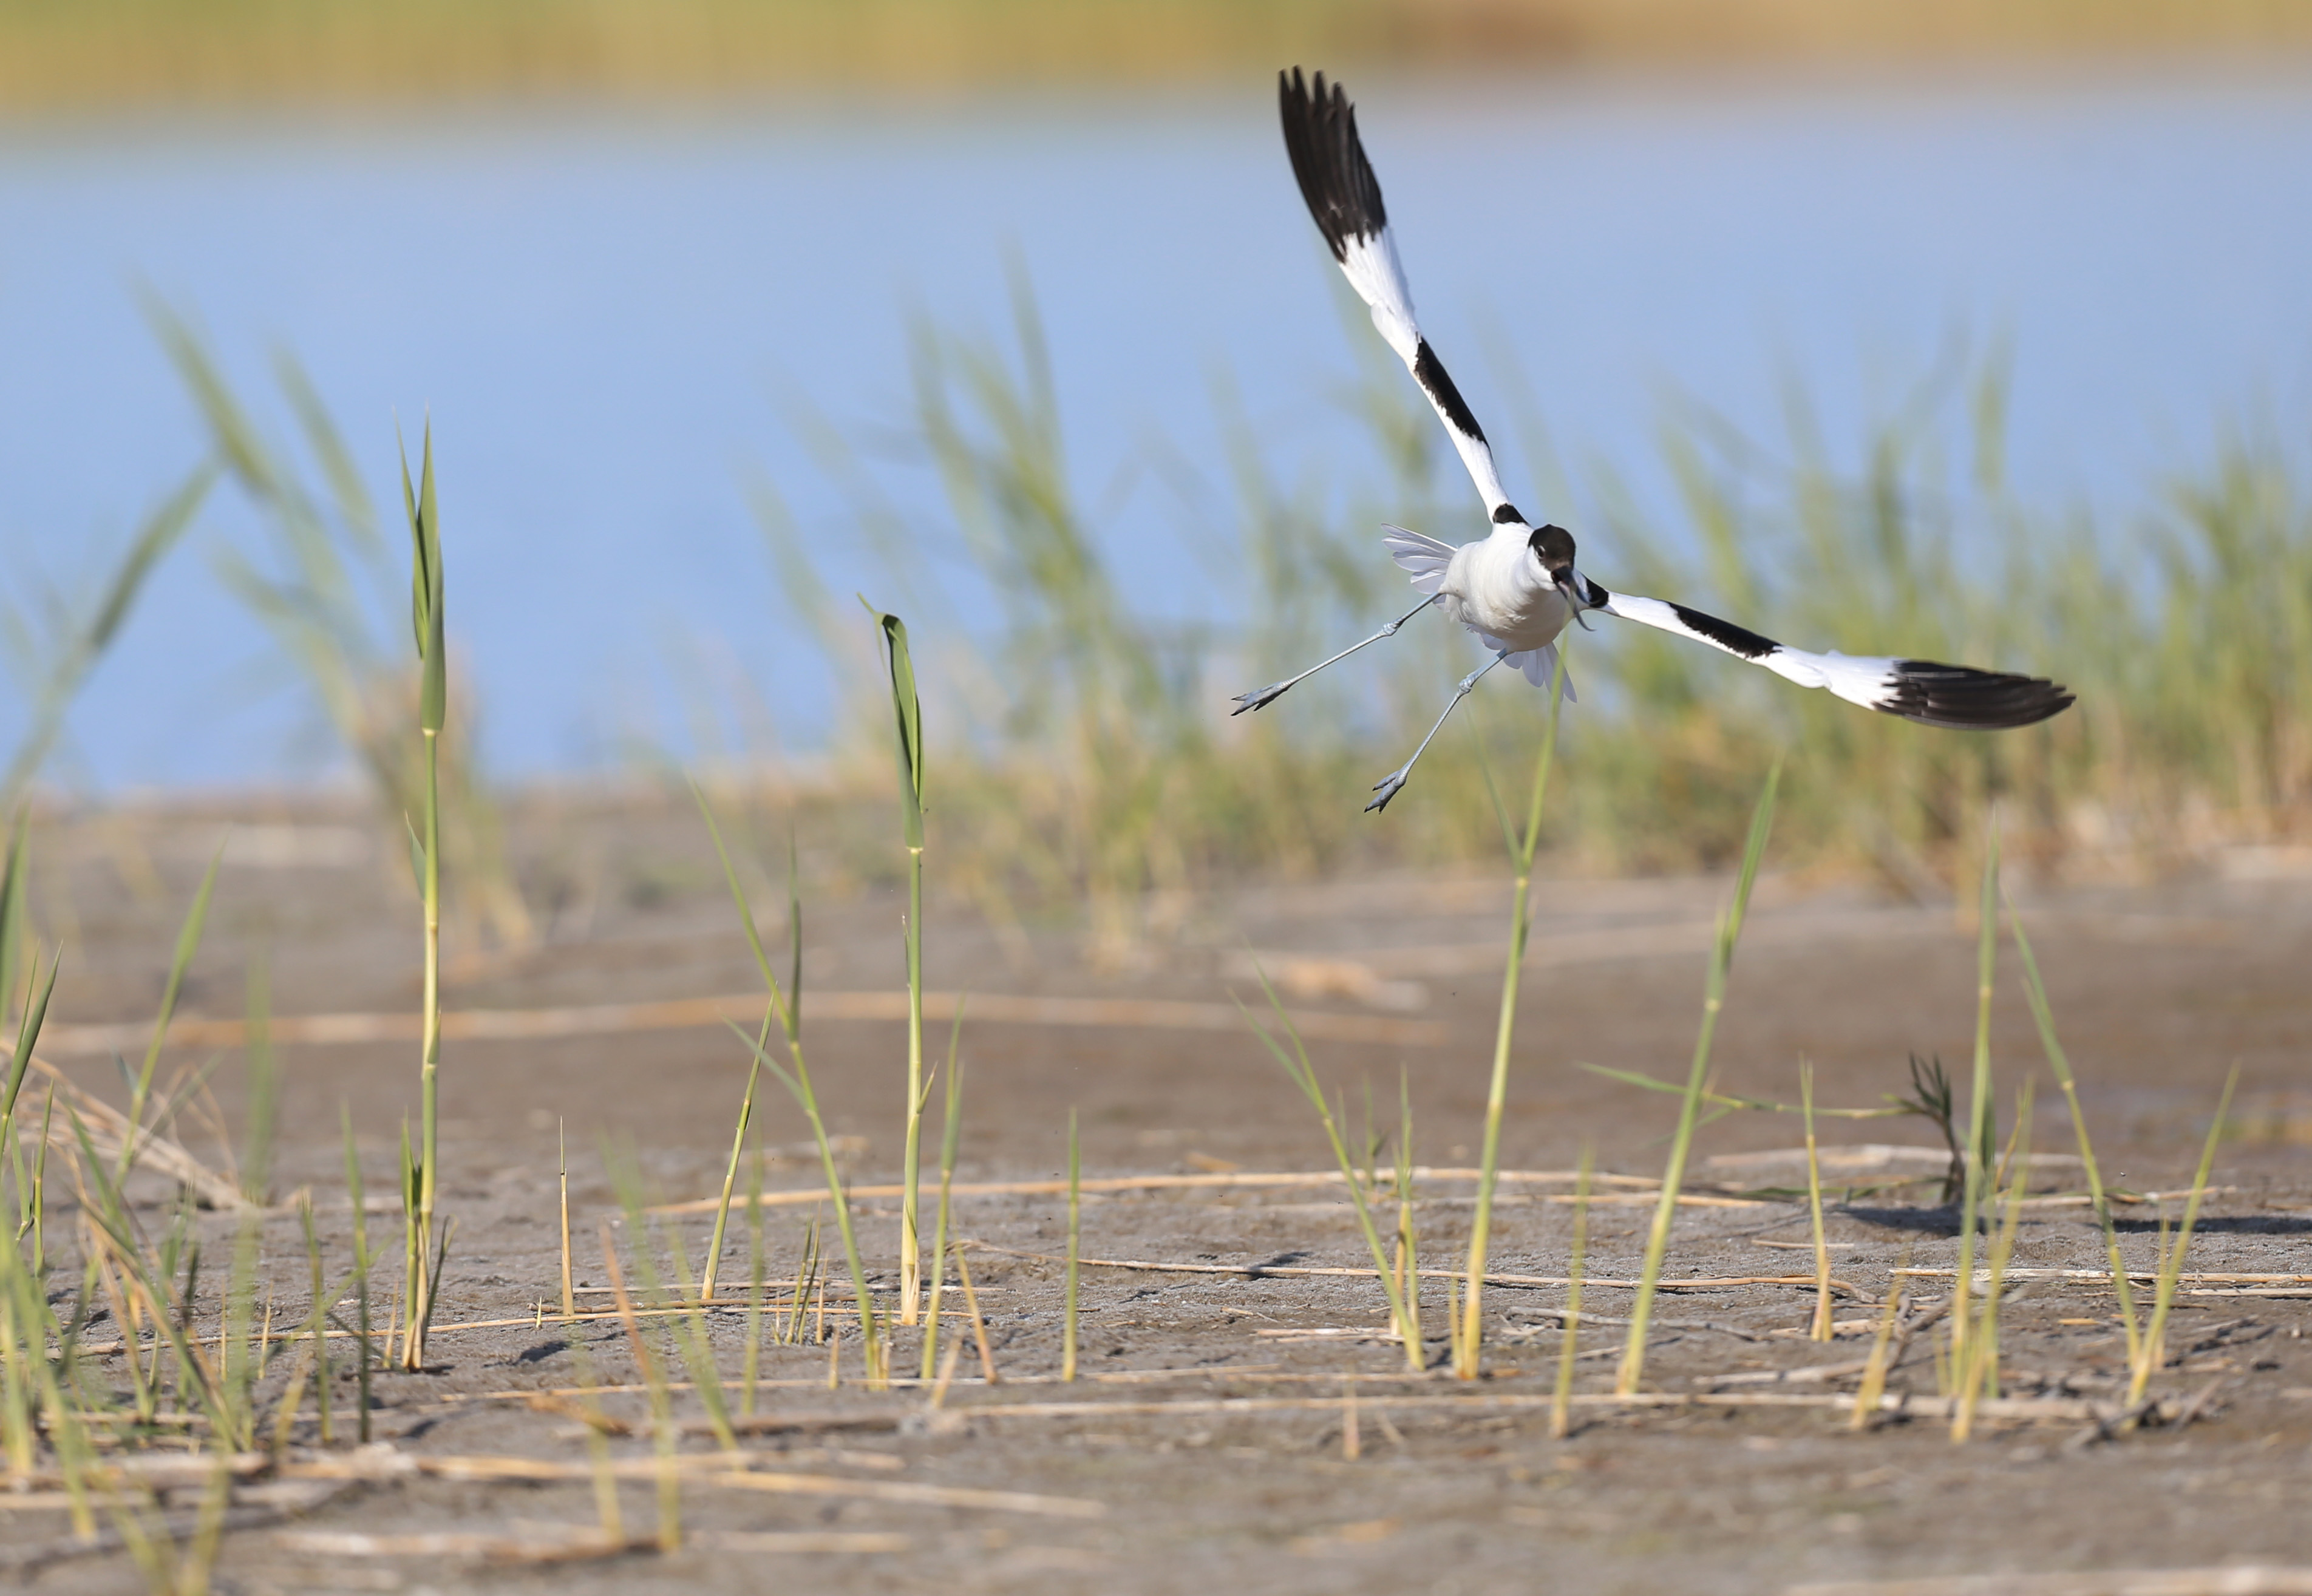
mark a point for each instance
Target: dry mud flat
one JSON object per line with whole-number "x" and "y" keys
{"x": 1209, "y": 1443}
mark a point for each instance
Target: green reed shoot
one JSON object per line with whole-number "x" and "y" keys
{"x": 1303, "y": 1075}
{"x": 793, "y": 1017}
{"x": 1818, "y": 1329}
{"x": 426, "y": 607}
{"x": 562, "y": 1175}
{"x": 2059, "y": 1062}
{"x": 908, "y": 740}
{"x": 1075, "y": 1252}
{"x": 1561, "y": 1403}
{"x": 950, "y": 1138}
{"x": 1408, "y": 1251}
{"x": 1975, "y": 1357}
{"x": 355, "y": 1197}
{"x": 115, "y": 1231}
{"x": 797, "y": 1081}
{"x": 1468, "y": 1333}
{"x": 1982, "y": 1132}
{"x": 1721, "y": 961}
{"x": 798, "y": 1085}
{"x": 806, "y": 1276}
{"x": 2152, "y": 1355}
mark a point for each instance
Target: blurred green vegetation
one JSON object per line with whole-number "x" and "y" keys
{"x": 1088, "y": 746}
{"x": 81, "y": 55}
{"x": 1083, "y": 750}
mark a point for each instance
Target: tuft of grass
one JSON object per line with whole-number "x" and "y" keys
{"x": 1721, "y": 961}
{"x": 1397, "y": 1284}
{"x": 1975, "y": 1357}
{"x": 2152, "y": 1354}
{"x": 796, "y": 1076}
{"x": 2043, "y": 1015}
{"x": 792, "y": 1016}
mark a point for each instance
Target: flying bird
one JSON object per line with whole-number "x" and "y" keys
{"x": 1518, "y": 587}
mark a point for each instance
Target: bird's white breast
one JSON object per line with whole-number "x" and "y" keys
{"x": 1498, "y": 588}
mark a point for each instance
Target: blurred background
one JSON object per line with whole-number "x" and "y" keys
{"x": 1976, "y": 330}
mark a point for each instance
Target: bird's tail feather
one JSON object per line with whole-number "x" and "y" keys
{"x": 1539, "y": 665}
{"x": 1422, "y": 555}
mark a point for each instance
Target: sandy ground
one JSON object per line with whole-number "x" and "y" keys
{"x": 1456, "y": 1488}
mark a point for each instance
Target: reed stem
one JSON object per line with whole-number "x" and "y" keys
{"x": 1819, "y": 1329}
{"x": 1981, "y": 1132}
{"x": 1468, "y": 1333}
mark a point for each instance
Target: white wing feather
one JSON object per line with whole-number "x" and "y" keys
{"x": 1419, "y": 554}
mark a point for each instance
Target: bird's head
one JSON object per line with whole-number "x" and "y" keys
{"x": 1553, "y": 550}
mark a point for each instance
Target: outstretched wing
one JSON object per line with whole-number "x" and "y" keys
{"x": 1933, "y": 695}
{"x": 1320, "y": 135}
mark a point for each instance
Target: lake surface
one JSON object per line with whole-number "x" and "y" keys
{"x": 610, "y": 319}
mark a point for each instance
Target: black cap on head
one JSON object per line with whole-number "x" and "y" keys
{"x": 1552, "y": 545}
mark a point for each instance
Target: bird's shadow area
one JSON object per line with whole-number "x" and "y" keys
{"x": 1933, "y": 1221}
{"x": 2227, "y": 1224}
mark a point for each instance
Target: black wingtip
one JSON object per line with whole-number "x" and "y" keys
{"x": 1329, "y": 160}
{"x": 1964, "y": 700}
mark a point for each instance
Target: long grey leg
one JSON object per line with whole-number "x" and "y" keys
{"x": 1270, "y": 693}
{"x": 1389, "y": 784}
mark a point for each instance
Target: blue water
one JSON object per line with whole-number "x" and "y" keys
{"x": 609, "y": 319}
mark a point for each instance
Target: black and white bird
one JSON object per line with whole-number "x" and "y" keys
{"x": 1518, "y": 587}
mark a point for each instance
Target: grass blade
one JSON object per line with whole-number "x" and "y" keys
{"x": 1721, "y": 961}
{"x": 1982, "y": 1131}
{"x": 2152, "y": 1355}
{"x": 1467, "y": 1332}
{"x": 2043, "y": 1016}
